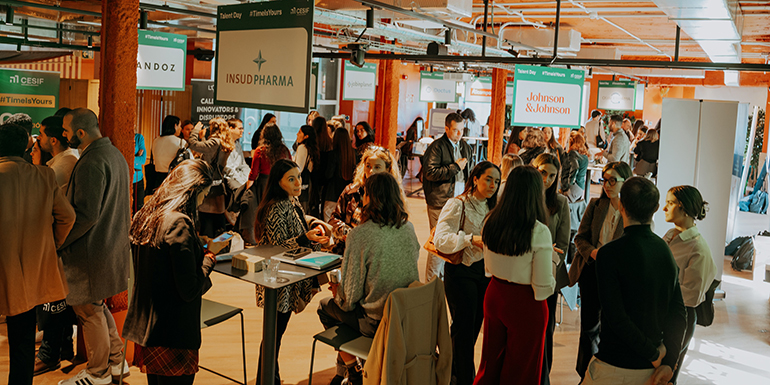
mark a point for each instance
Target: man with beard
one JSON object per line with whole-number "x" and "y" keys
{"x": 96, "y": 252}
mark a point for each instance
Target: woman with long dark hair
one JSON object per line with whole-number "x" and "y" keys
{"x": 271, "y": 149}
{"x": 171, "y": 270}
{"x": 267, "y": 119}
{"x": 685, "y": 205}
{"x": 559, "y": 227}
{"x": 325, "y": 147}
{"x": 281, "y": 222}
{"x": 339, "y": 172}
{"x": 348, "y": 212}
{"x": 364, "y": 138}
{"x": 381, "y": 256}
{"x": 553, "y": 147}
{"x": 647, "y": 152}
{"x": 215, "y": 150}
{"x": 518, "y": 133}
{"x": 308, "y": 157}
{"x": 601, "y": 224}
{"x": 459, "y": 229}
{"x": 517, "y": 252}
{"x": 573, "y": 183}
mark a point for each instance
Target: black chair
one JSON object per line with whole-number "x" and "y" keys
{"x": 212, "y": 313}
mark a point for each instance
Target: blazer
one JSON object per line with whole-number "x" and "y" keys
{"x": 35, "y": 218}
{"x": 439, "y": 170}
{"x": 97, "y": 251}
{"x": 588, "y": 236}
{"x": 165, "y": 309}
{"x": 403, "y": 351}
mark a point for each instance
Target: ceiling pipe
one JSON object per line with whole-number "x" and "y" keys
{"x": 620, "y": 28}
{"x": 563, "y": 61}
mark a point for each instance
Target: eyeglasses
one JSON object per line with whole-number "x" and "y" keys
{"x": 611, "y": 181}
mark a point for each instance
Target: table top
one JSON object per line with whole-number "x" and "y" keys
{"x": 267, "y": 251}
{"x": 475, "y": 138}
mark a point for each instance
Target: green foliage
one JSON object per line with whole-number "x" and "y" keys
{"x": 759, "y": 138}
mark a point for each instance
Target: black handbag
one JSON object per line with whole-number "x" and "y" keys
{"x": 181, "y": 155}
{"x": 150, "y": 176}
{"x": 704, "y": 313}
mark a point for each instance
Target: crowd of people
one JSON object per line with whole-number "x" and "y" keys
{"x": 508, "y": 238}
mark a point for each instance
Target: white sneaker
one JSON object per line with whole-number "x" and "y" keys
{"x": 83, "y": 378}
{"x": 115, "y": 369}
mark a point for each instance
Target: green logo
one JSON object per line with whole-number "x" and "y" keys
{"x": 259, "y": 60}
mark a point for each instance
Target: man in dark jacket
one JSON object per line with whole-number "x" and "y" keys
{"x": 445, "y": 169}
{"x": 643, "y": 315}
{"x": 97, "y": 251}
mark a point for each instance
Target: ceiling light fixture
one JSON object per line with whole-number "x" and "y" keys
{"x": 357, "y": 56}
{"x": 513, "y": 52}
{"x": 448, "y": 36}
{"x": 142, "y": 19}
{"x": 90, "y": 42}
{"x": 9, "y": 16}
{"x": 370, "y": 18}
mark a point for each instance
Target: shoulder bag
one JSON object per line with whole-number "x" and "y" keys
{"x": 455, "y": 258}
{"x": 150, "y": 176}
{"x": 181, "y": 155}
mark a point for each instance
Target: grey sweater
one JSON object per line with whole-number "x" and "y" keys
{"x": 377, "y": 261}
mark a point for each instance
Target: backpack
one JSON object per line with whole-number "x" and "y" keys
{"x": 743, "y": 259}
{"x": 181, "y": 155}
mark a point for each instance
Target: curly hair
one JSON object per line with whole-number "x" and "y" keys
{"x": 220, "y": 130}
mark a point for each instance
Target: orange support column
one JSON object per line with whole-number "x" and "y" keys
{"x": 497, "y": 116}
{"x": 117, "y": 91}
{"x": 767, "y": 122}
{"x": 388, "y": 116}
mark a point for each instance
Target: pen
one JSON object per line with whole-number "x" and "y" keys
{"x": 292, "y": 272}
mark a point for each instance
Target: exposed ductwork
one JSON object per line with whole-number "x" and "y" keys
{"x": 716, "y": 25}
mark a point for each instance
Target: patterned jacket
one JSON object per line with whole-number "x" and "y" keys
{"x": 286, "y": 225}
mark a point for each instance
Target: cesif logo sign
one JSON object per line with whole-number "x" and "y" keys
{"x": 259, "y": 79}
{"x": 26, "y": 80}
{"x": 300, "y": 11}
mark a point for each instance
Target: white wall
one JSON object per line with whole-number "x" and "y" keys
{"x": 756, "y": 96}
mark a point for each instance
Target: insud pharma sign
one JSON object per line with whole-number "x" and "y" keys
{"x": 35, "y": 93}
{"x": 264, "y": 55}
{"x": 545, "y": 96}
{"x": 160, "y": 61}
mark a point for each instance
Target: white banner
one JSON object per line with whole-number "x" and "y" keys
{"x": 359, "y": 83}
{"x": 433, "y": 88}
{"x": 160, "y": 61}
{"x": 620, "y": 98}
{"x": 551, "y": 104}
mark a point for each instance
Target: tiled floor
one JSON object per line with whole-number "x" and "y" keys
{"x": 735, "y": 350}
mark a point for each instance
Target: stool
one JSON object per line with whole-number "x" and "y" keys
{"x": 344, "y": 339}
{"x": 212, "y": 313}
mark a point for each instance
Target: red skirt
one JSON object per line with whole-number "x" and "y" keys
{"x": 164, "y": 361}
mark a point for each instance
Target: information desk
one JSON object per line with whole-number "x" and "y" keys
{"x": 271, "y": 297}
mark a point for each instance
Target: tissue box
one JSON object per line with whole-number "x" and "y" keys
{"x": 247, "y": 262}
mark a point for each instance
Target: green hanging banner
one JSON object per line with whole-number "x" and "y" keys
{"x": 545, "y": 96}
{"x": 35, "y": 93}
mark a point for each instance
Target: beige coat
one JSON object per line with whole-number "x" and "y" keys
{"x": 35, "y": 218}
{"x": 413, "y": 326}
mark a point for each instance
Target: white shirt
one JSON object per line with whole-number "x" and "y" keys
{"x": 236, "y": 169}
{"x": 62, "y": 165}
{"x": 534, "y": 267}
{"x": 164, "y": 150}
{"x": 301, "y": 156}
{"x": 609, "y": 226}
{"x": 593, "y": 128}
{"x": 450, "y": 238}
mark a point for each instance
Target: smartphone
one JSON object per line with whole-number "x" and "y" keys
{"x": 298, "y": 252}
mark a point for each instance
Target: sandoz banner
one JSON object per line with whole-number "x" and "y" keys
{"x": 359, "y": 83}
{"x": 160, "y": 61}
{"x": 35, "y": 93}
{"x": 264, "y": 55}
{"x": 545, "y": 96}
{"x": 433, "y": 88}
{"x": 616, "y": 95}
{"x": 480, "y": 91}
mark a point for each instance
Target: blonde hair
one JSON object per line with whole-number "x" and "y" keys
{"x": 652, "y": 135}
{"x": 220, "y": 130}
{"x": 510, "y": 161}
{"x": 382, "y": 154}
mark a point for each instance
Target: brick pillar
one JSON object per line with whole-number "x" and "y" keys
{"x": 497, "y": 116}
{"x": 117, "y": 91}
{"x": 388, "y": 117}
